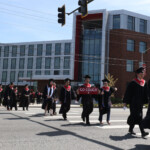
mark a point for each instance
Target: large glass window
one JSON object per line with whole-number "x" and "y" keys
{"x": 29, "y": 74}
{"x": 116, "y": 22}
{"x": 142, "y": 47}
{"x": 13, "y": 63}
{"x": 22, "y": 50}
{"x": 131, "y": 23}
{"x": 47, "y": 63}
{"x": 21, "y": 63}
{"x": 31, "y": 50}
{"x": 66, "y": 62}
{"x": 143, "y": 26}
{"x": 47, "y": 72}
{"x": 48, "y": 49}
{"x": 38, "y": 72}
{"x": 129, "y": 66}
{"x": 30, "y": 63}
{"x": 14, "y": 51}
{"x": 56, "y": 72}
{"x": 6, "y": 51}
{"x": 38, "y": 63}
{"x": 57, "y": 63}
{"x": 5, "y": 63}
{"x": 12, "y": 76}
{"x": 57, "y": 48}
{"x": 67, "y": 48}
{"x": 20, "y": 75}
{"x": 4, "y": 76}
{"x": 130, "y": 45}
{"x": 66, "y": 72}
{"x": 39, "y": 49}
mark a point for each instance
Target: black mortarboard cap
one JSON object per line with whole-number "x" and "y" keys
{"x": 106, "y": 80}
{"x": 67, "y": 79}
{"x": 51, "y": 80}
{"x": 87, "y": 76}
{"x": 140, "y": 70}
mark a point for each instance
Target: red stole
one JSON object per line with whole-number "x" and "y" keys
{"x": 107, "y": 88}
{"x": 27, "y": 89}
{"x": 1, "y": 90}
{"x": 140, "y": 82}
{"x": 87, "y": 85}
{"x": 68, "y": 88}
{"x": 15, "y": 91}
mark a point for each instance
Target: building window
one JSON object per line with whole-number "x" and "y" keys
{"x": 6, "y": 51}
{"x": 143, "y": 26}
{"x": 4, "y": 76}
{"x": 20, "y": 75}
{"x": 29, "y": 74}
{"x": 141, "y": 64}
{"x": 48, "y": 49}
{"x": 14, "y": 51}
{"x": 66, "y": 62}
{"x": 57, "y": 49}
{"x": 129, "y": 67}
{"x": 38, "y": 72}
{"x": 57, "y": 63}
{"x": 5, "y": 63}
{"x": 12, "y": 76}
{"x": 67, "y": 48}
{"x": 38, "y": 63}
{"x": 142, "y": 47}
{"x": 30, "y": 63}
{"x": 31, "y": 50}
{"x": 39, "y": 49}
{"x": 22, "y": 50}
{"x": 21, "y": 63}
{"x": 130, "y": 45}
{"x": 13, "y": 63}
{"x": 116, "y": 22}
{"x": 56, "y": 72}
{"x": 47, "y": 63}
{"x": 66, "y": 72}
{"x": 131, "y": 23}
{"x": 47, "y": 72}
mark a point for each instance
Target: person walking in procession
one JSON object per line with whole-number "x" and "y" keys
{"x": 66, "y": 95}
{"x": 136, "y": 96}
{"x": 104, "y": 101}
{"x": 14, "y": 98}
{"x": 1, "y": 95}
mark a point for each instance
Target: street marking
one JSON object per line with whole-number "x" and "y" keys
{"x": 115, "y": 127}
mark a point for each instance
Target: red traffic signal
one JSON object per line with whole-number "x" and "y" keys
{"x": 62, "y": 15}
{"x": 83, "y": 7}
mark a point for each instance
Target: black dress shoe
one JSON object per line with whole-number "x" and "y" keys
{"x": 132, "y": 133}
{"x": 88, "y": 124}
{"x": 145, "y": 134}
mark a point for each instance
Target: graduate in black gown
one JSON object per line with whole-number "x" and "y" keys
{"x": 14, "y": 98}
{"x": 38, "y": 96}
{"x": 48, "y": 95}
{"x": 66, "y": 95}
{"x": 146, "y": 120}
{"x": 136, "y": 96}
{"x": 87, "y": 101}
{"x": 8, "y": 96}
{"x": 1, "y": 94}
{"x": 25, "y": 97}
{"x": 104, "y": 101}
{"x": 55, "y": 99}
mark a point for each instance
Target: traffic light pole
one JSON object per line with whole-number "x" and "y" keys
{"x": 89, "y": 1}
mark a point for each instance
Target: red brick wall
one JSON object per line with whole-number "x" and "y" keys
{"x": 118, "y": 55}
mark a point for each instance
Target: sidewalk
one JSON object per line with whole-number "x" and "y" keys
{"x": 57, "y": 105}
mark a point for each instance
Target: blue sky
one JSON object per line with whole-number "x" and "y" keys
{"x": 36, "y": 20}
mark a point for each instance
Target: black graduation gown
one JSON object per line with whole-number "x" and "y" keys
{"x": 65, "y": 98}
{"x": 38, "y": 96}
{"x": 8, "y": 93}
{"x": 47, "y": 101}
{"x": 136, "y": 96}
{"x": 87, "y": 102}
{"x": 14, "y": 99}
{"x": 1, "y": 96}
{"x": 25, "y": 100}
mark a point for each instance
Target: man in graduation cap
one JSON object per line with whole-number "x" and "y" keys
{"x": 136, "y": 96}
{"x": 1, "y": 94}
{"x": 87, "y": 101}
{"x": 66, "y": 95}
{"x": 105, "y": 100}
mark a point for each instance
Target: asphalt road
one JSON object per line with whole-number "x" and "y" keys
{"x": 31, "y": 130}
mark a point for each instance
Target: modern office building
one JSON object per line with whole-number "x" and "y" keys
{"x": 115, "y": 42}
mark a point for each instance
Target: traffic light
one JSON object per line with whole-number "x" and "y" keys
{"x": 83, "y": 7}
{"x": 62, "y": 15}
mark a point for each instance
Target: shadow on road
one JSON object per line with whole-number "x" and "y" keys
{"x": 37, "y": 115}
{"x": 60, "y": 132}
{"x": 54, "y": 120}
{"x": 121, "y": 138}
{"x": 141, "y": 147}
